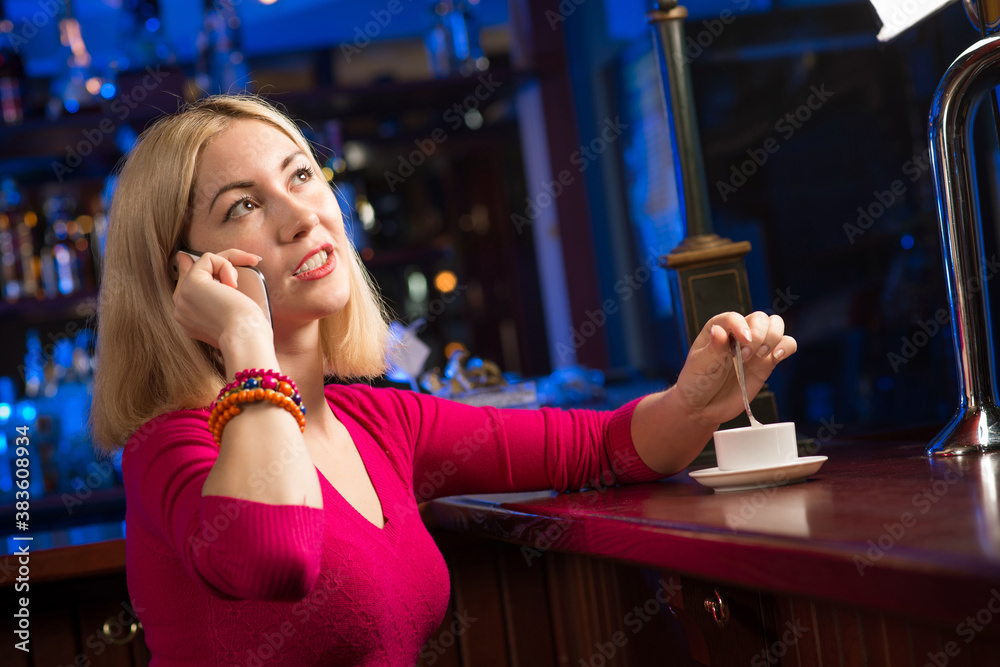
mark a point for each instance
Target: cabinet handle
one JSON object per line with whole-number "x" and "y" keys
{"x": 718, "y": 609}
{"x": 124, "y": 639}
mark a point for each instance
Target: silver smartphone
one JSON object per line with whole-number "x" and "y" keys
{"x": 249, "y": 280}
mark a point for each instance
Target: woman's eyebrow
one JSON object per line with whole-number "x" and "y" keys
{"x": 226, "y": 188}
{"x": 236, "y": 185}
{"x": 288, "y": 160}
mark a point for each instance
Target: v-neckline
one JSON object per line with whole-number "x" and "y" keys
{"x": 362, "y": 442}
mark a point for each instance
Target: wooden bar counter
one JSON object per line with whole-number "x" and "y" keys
{"x": 883, "y": 557}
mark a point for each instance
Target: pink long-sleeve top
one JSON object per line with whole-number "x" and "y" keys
{"x": 222, "y": 581}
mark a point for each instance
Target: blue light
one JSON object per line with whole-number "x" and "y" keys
{"x": 153, "y": 24}
{"x": 885, "y": 383}
{"x": 6, "y": 482}
{"x": 108, "y": 91}
{"x": 125, "y": 139}
{"x": 4, "y": 412}
{"x": 71, "y": 105}
{"x": 27, "y": 411}
{"x": 906, "y": 241}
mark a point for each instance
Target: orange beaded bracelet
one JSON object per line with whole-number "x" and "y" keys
{"x": 228, "y": 407}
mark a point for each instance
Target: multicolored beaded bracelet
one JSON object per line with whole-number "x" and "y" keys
{"x": 253, "y": 385}
{"x": 268, "y": 379}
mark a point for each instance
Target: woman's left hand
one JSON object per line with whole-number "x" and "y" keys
{"x": 707, "y": 384}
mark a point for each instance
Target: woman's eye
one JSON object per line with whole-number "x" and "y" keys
{"x": 303, "y": 174}
{"x": 241, "y": 208}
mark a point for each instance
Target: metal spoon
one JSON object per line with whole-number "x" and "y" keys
{"x": 737, "y": 350}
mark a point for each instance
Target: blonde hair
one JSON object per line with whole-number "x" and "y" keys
{"x": 146, "y": 364}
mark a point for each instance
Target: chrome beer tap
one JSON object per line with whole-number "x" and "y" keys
{"x": 975, "y": 427}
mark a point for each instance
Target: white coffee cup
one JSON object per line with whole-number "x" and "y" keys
{"x": 755, "y": 446}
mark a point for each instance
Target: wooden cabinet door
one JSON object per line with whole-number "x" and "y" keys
{"x": 728, "y": 620}
{"x": 74, "y": 623}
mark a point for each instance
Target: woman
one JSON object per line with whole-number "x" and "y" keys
{"x": 251, "y": 539}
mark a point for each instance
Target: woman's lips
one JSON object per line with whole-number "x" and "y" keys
{"x": 319, "y": 271}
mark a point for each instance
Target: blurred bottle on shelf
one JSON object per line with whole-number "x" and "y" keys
{"x": 8, "y": 261}
{"x": 31, "y": 266}
{"x": 49, "y": 254}
{"x": 49, "y": 412}
{"x": 11, "y": 78}
{"x": 56, "y": 409}
{"x": 452, "y": 43}
{"x": 10, "y": 282}
{"x": 76, "y": 452}
{"x": 60, "y": 265}
{"x": 99, "y": 237}
{"x": 77, "y": 85}
{"x": 8, "y": 397}
{"x": 34, "y": 365}
{"x": 65, "y": 449}
{"x": 221, "y": 67}
{"x": 142, "y": 35}
{"x": 20, "y": 414}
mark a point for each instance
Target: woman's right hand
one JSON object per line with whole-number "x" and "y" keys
{"x": 206, "y": 302}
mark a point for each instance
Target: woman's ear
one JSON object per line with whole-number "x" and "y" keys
{"x": 175, "y": 270}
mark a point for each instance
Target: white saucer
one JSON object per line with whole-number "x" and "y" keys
{"x": 757, "y": 478}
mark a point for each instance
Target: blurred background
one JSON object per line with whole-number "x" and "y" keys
{"x": 445, "y": 127}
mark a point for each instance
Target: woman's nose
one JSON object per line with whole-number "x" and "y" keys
{"x": 297, "y": 219}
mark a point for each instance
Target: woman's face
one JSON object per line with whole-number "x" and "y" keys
{"x": 256, "y": 190}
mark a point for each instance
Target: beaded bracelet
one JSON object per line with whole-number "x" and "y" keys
{"x": 253, "y": 385}
{"x": 267, "y": 378}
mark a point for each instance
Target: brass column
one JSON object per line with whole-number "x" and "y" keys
{"x": 710, "y": 269}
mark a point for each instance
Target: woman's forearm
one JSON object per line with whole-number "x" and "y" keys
{"x": 666, "y": 433}
{"x": 263, "y": 455}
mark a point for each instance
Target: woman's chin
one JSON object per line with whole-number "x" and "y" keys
{"x": 305, "y": 316}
